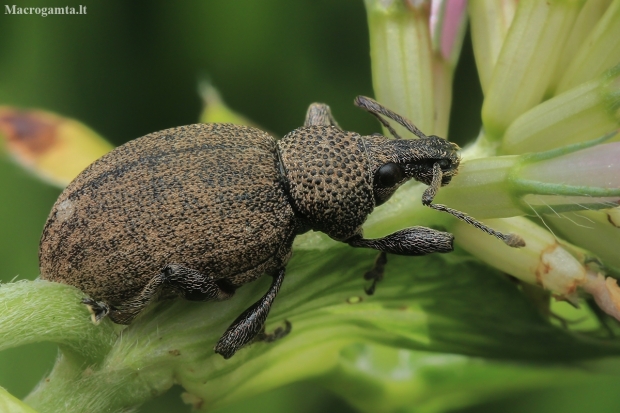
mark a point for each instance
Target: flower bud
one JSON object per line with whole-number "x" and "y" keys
{"x": 414, "y": 48}
{"x": 543, "y": 261}
{"x": 215, "y": 110}
{"x": 490, "y": 21}
{"x": 598, "y": 52}
{"x": 577, "y": 115}
{"x": 523, "y": 73}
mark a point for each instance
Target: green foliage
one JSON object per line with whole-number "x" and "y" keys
{"x": 447, "y": 305}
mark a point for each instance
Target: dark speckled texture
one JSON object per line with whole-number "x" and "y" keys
{"x": 208, "y": 197}
{"x": 330, "y": 179}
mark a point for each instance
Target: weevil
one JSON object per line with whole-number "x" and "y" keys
{"x": 198, "y": 211}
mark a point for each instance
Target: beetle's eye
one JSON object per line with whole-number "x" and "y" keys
{"x": 389, "y": 175}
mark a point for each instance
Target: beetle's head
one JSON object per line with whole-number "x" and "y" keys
{"x": 395, "y": 161}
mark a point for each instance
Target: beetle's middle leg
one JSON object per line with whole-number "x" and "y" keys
{"x": 319, "y": 114}
{"x": 250, "y": 324}
{"x": 408, "y": 241}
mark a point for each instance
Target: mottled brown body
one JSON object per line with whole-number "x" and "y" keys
{"x": 199, "y": 210}
{"x": 179, "y": 196}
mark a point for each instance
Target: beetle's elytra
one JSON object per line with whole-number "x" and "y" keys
{"x": 197, "y": 211}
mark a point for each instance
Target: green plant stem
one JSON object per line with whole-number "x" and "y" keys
{"x": 44, "y": 311}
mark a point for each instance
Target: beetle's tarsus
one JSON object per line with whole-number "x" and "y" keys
{"x": 98, "y": 309}
{"x": 251, "y": 322}
{"x": 277, "y": 334}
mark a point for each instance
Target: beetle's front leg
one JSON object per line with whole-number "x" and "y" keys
{"x": 251, "y": 322}
{"x": 376, "y": 273}
{"x": 408, "y": 241}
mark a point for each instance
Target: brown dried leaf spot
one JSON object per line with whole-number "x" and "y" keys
{"x": 544, "y": 267}
{"x": 28, "y": 133}
{"x": 559, "y": 272}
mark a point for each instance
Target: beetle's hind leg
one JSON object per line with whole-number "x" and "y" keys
{"x": 319, "y": 114}
{"x": 182, "y": 281}
{"x": 195, "y": 286}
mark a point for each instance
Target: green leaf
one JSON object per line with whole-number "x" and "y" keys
{"x": 9, "y": 404}
{"x": 380, "y": 379}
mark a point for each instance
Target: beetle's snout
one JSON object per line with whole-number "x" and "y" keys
{"x": 445, "y": 179}
{"x": 449, "y": 167}
{"x": 448, "y": 158}
{"x": 439, "y": 152}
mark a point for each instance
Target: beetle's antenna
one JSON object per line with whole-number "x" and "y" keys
{"x": 376, "y": 109}
{"x": 512, "y": 240}
{"x": 376, "y": 115}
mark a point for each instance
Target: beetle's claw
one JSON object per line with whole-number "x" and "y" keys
{"x": 277, "y": 334}
{"x": 98, "y": 309}
{"x": 371, "y": 290}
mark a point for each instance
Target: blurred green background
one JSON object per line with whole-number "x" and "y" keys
{"x": 130, "y": 68}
